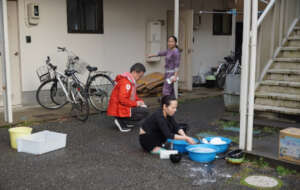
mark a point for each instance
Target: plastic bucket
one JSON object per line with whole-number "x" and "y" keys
{"x": 17, "y": 132}
{"x": 203, "y": 153}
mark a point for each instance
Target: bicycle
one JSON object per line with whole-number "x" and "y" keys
{"x": 68, "y": 86}
{"x": 97, "y": 87}
{"x": 231, "y": 65}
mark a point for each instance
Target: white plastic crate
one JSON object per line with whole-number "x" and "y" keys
{"x": 41, "y": 142}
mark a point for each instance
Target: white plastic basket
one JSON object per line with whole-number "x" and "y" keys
{"x": 41, "y": 142}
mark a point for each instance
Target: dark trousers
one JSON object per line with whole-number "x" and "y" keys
{"x": 137, "y": 114}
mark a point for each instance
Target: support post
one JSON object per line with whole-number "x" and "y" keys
{"x": 244, "y": 75}
{"x": 252, "y": 75}
{"x": 176, "y": 34}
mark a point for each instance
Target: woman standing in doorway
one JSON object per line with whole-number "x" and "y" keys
{"x": 172, "y": 55}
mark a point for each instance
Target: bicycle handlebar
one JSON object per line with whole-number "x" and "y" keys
{"x": 61, "y": 48}
{"x": 50, "y": 64}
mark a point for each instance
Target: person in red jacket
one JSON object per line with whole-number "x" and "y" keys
{"x": 124, "y": 104}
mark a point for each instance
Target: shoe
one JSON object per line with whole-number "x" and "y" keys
{"x": 123, "y": 128}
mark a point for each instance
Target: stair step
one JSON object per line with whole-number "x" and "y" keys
{"x": 290, "y": 49}
{"x": 278, "y": 96}
{"x": 282, "y": 110}
{"x": 284, "y": 71}
{"x": 297, "y": 28}
{"x": 281, "y": 83}
{"x": 294, "y": 37}
{"x": 289, "y": 60}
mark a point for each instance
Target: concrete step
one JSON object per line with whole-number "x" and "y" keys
{"x": 296, "y": 31}
{"x": 278, "y": 96}
{"x": 285, "y": 65}
{"x": 287, "y": 60}
{"x": 293, "y": 41}
{"x": 282, "y": 110}
{"x": 283, "y": 75}
{"x": 289, "y": 52}
{"x": 278, "y": 100}
{"x": 274, "y": 86}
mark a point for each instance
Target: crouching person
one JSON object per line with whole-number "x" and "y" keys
{"x": 160, "y": 126}
{"x": 124, "y": 104}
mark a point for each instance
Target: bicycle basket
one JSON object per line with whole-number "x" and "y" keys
{"x": 43, "y": 73}
{"x": 79, "y": 66}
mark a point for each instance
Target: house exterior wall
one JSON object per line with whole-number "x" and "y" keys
{"x": 209, "y": 48}
{"x": 121, "y": 45}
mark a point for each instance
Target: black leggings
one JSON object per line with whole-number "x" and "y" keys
{"x": 137, "y": 114}
{"x": 149, "y": 142}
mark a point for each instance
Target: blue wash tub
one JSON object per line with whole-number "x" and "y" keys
{"x": 220, "y": 148}
{"x": 204, "y": 153}
{"x": 180, "y": 145}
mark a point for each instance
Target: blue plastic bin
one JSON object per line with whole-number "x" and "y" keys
{"x": 202, "y": 156}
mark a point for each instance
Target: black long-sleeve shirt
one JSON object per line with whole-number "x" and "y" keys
{"x": 160, "y": 127}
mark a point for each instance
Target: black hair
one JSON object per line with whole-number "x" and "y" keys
{"x": 166, "y": 100}
{"x": 138, "y": 67}
{"x": 175, "y": 39}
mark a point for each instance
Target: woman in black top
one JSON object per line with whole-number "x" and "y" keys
{"x": 160, "y": 126}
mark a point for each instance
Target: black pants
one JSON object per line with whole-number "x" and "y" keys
{"x": 149, "y": 142}
{"x": 137, "y": 114}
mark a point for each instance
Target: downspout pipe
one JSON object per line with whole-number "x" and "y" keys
{"x": 6, "y": 67}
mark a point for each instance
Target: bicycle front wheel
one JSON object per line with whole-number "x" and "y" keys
{"x": 99, "y": 89}
{"x": 50, "y": 95}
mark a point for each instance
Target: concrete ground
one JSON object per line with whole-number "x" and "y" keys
{"x": 98, "y": 156}
{"x": 38, "y": 114}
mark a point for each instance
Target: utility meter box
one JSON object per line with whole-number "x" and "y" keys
{"x": 33, "y": 10}
{"x": 153, "y": 42}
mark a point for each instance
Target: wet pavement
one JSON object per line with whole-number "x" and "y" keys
{"x": 98, "y": 156}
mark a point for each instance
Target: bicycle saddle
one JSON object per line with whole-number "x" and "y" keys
{"x": 90, "y": 69}
{"x": 69, "y": 72}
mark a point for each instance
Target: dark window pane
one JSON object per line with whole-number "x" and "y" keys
{"x": 85, "y": 16}
{"x": 222, "y": 23}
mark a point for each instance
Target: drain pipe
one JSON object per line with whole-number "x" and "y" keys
{"x": 176, "y": 34}
{"x": 252, "y": 75}
{"x": 244, "y": 75}
{"x": 6, "y": 66}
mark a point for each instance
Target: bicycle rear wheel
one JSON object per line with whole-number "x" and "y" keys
{"x": 221, "y": 77}
{"x": 50, "y": 95}
{"x": 99, "y": 89}
{"x": 80, "y": 106}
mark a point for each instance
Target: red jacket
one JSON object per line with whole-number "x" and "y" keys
{"x": 123, "y": 97}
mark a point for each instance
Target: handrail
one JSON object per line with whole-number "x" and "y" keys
{"x": 266, "y": 11}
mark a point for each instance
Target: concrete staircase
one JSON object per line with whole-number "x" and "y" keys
{"x": 279, "y": 92}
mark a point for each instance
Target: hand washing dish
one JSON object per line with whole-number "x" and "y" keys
{"x": 204, "y": 153}
{"x": 221, "y": 143}
{"x": 180, "y": 145}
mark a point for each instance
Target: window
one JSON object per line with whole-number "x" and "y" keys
{"x": 85, "y": 16}
{"x": 222, "y": 23}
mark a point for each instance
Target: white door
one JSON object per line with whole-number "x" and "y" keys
{"x": 185, "y": 44}
{"x": 13, "y": 38}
